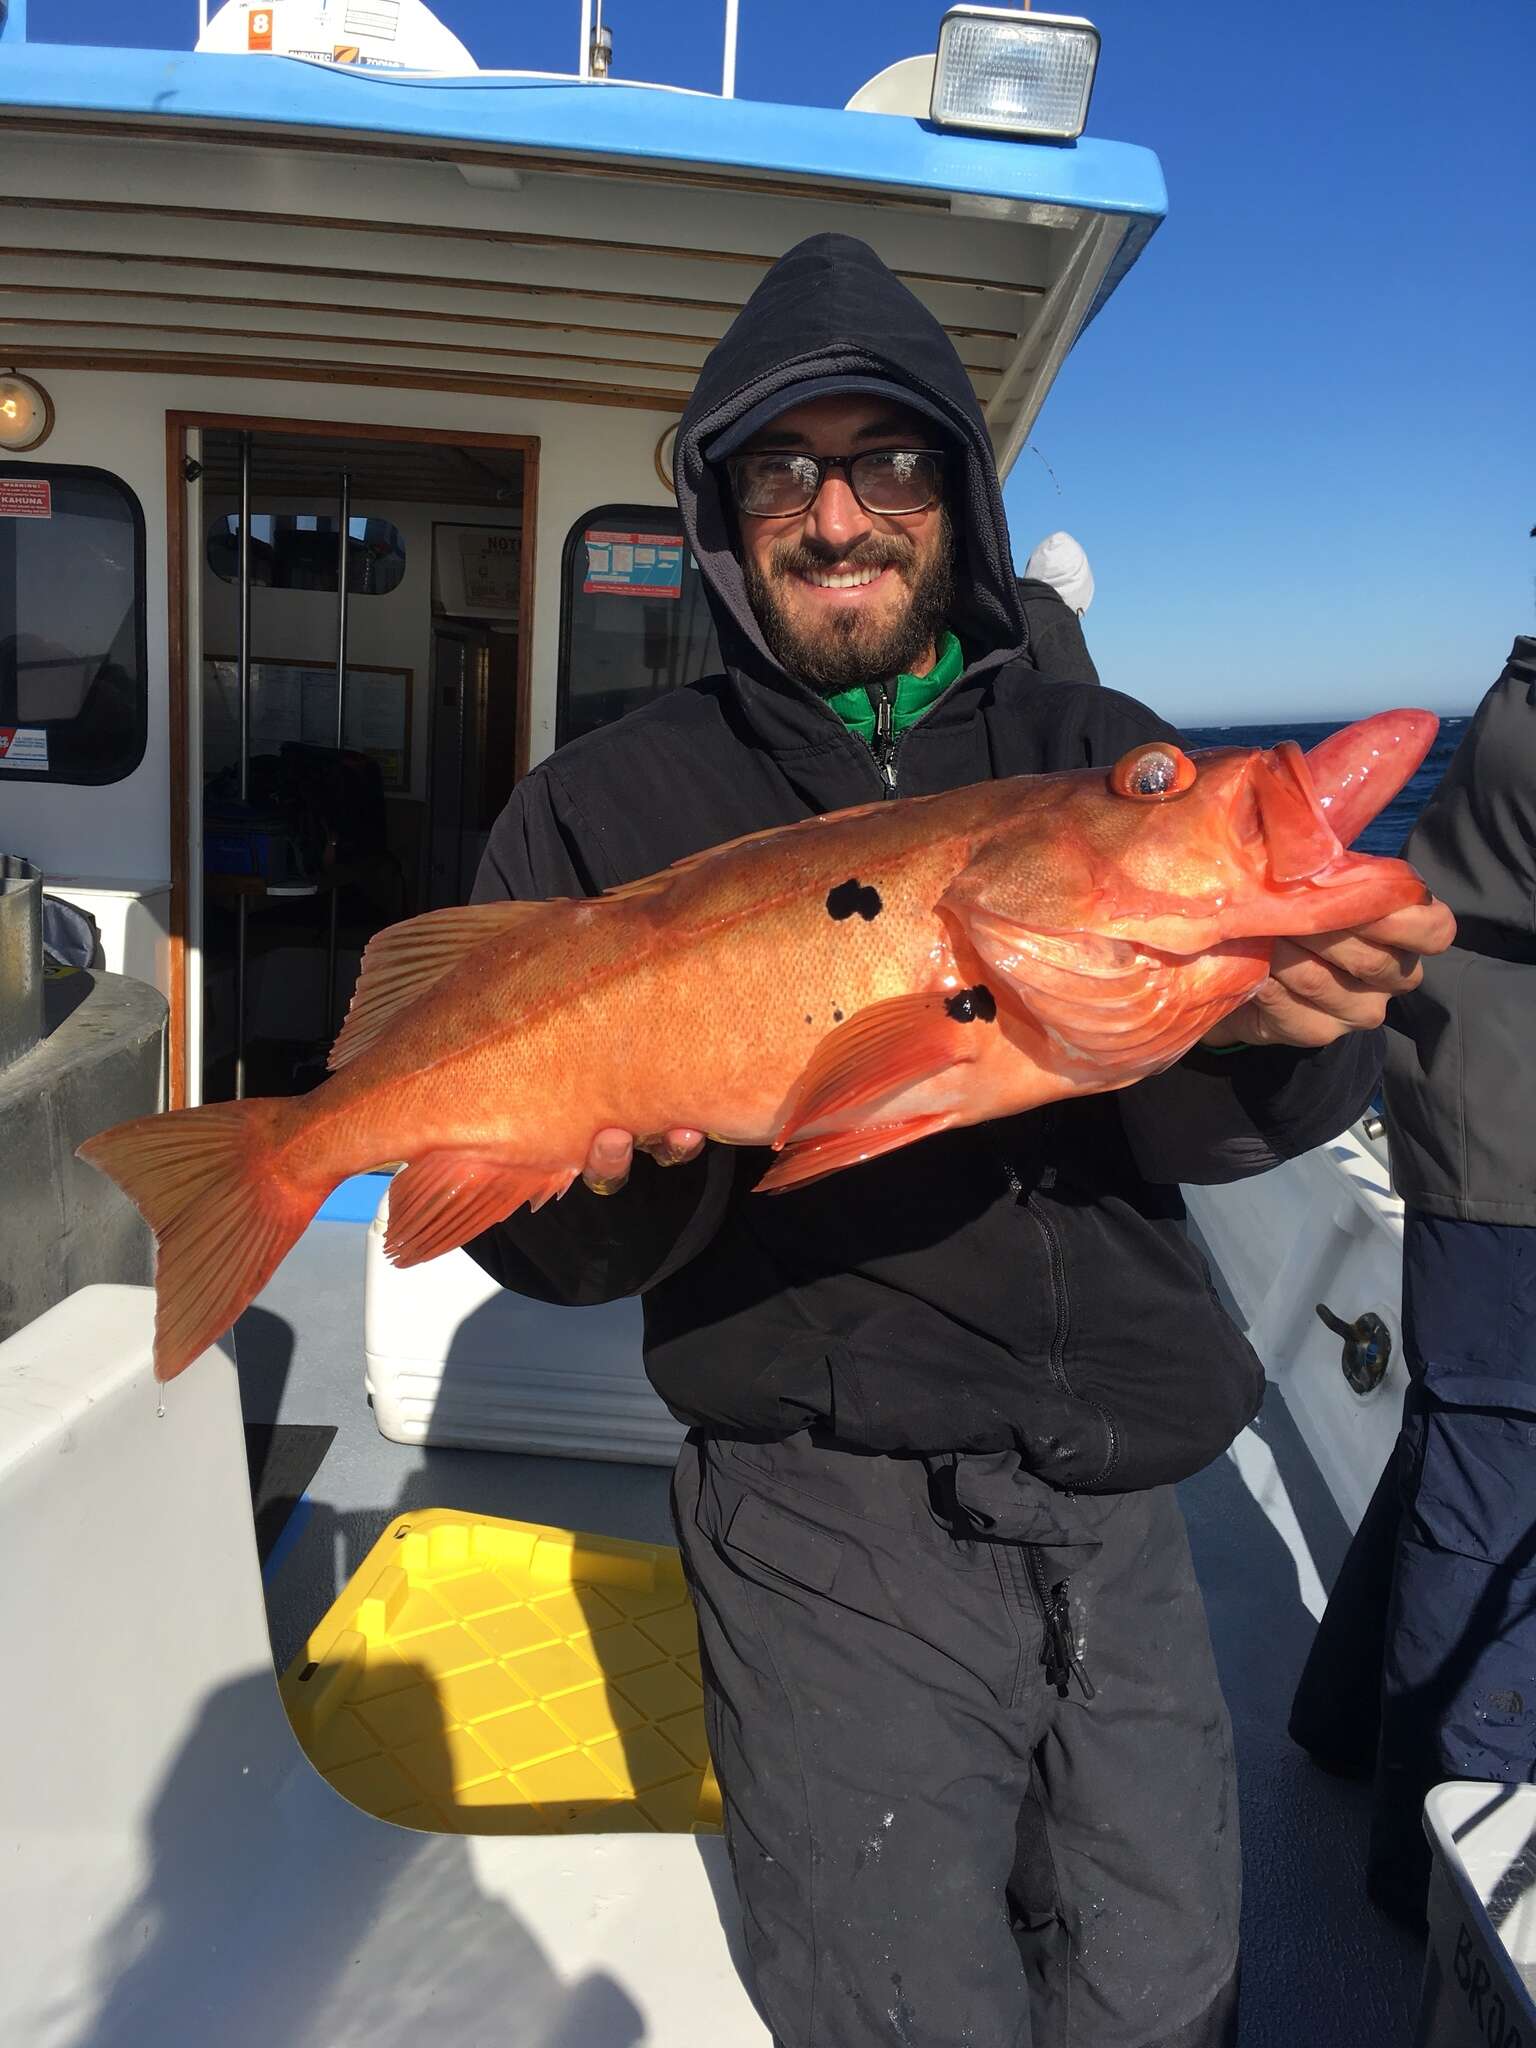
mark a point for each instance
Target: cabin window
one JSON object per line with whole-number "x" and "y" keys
{"x": 634, "y": 621}
{"x": 297, "y": 551}
{"x": 74, "y": 693}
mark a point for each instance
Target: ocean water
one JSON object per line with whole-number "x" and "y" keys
{"x": 1384, "y": 834}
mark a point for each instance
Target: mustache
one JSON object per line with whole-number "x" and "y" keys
{"x": 874, "y": 551}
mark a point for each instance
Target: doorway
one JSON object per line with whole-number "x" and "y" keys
{"x": 359, "y": 650}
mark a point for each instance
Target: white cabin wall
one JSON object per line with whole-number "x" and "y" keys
{"x": 120, "y": 833}
{"x": 117, "y": 832}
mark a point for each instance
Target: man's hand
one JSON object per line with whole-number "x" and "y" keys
{"x": 1333, "y": 982}
{"x": 613, "y": 1153}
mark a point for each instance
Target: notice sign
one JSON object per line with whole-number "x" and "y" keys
{"x": 23, "y": 746}
{"x": 633, "y": 564}
{"x": 26, "y": 497}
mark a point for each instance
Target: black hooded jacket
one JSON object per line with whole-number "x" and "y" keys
{"x": 1026, "y": 1287}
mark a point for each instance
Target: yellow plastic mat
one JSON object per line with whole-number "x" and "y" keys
{"x": 490, "y": 1677}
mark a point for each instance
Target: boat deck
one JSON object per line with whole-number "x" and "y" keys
{"x": 1320, "y": 1966}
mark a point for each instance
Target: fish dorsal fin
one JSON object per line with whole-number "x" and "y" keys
{"x": 407, "y": 959}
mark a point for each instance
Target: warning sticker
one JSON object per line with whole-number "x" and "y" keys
{"x": 26, "y": 497}
{"x": 23, "y": 746}
{"x": 633, "y": 564}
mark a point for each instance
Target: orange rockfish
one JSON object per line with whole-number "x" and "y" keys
{"x": 832, "y": 989}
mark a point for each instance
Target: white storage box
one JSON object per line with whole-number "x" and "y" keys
{"x": 453, "y": 1359}
{"x": 1480, "y": 1971}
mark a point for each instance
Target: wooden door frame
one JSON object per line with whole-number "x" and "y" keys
{"x": 183, "y": 786}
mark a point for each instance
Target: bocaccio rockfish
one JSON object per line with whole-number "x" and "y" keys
{"x": 831, "y": 989}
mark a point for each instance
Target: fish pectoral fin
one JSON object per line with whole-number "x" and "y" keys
{"x": 798, "y": 1165}
{"x": 405, "y": 960}
{"x": 443, "y": 1199}
{"x": 881, "y": 1050}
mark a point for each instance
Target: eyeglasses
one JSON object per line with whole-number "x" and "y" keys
{"x": 777, "y": 484}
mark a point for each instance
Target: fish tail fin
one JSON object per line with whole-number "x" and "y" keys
{"x": 208, "y": 1183}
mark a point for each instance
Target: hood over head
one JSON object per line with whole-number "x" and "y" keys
{"x": 829, "y": 316}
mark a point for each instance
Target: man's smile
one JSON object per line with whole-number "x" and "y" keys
{"x": 839, "y": 579}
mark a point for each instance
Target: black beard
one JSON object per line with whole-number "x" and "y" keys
{"x": 849, "y": 652}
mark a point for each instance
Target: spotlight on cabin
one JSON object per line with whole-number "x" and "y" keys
{"x": 26, "y": 414}
{"x": 1029, "y": 75}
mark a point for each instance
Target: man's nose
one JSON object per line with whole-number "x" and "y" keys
{"x": 836, "y": 519}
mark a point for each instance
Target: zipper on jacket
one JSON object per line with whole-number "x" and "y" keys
{"x": 1058, "y": 1652}
{"x": 885, "y": 741}
{"x": 1058, "y": 1352}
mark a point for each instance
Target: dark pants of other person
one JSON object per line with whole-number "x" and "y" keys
{"x": 1424, "y": 1665}
{"x": 932, "y": 1846}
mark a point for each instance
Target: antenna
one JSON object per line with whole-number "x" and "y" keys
{"x": 600, "y": 47}
{"x": 728, "y": 72}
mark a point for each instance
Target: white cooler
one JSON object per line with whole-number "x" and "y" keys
{"x": 455, "y": 1360}
{"x": 1480, "y": 1970}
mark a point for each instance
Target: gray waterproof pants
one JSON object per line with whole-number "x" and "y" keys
{"x": 931, "y": 1844}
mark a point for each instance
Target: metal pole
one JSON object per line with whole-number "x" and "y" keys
{"x": 342, "y": 566}
{"x": 728, "y": 75}
{"x": 244, "y": 684}
{"x": 584, "y": 63}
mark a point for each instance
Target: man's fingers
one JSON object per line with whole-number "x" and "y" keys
{"x": 673, "y": 1148}
{"x": 1391, "y": 969}
{"x": 608, "y": 1161}
{"x": 1421, "y": 928}
{"x": 613, "y": 1154}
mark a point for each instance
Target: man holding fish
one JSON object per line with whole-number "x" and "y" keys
{"x": 925, "y": 1299}
{"x": 960, "y": 1693}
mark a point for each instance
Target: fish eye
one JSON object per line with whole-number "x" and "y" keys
{"x": 1152, "y": 773}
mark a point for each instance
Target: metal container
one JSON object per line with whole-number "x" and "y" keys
{"x": 21, "y": 957}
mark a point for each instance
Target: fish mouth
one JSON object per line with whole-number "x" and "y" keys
{"x": 1305, "y": 809}
{"x": 1357, "y": 772}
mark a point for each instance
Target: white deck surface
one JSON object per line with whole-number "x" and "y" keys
{"x": 173, "y": 1874}
{"x": 1321, "y": 1967}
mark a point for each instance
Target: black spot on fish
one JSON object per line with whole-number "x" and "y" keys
{"x": 854, "y": 898}
{"x": 972, "y": 1005}
{"x": 837, "y": 1016}
{"x": 808, "y": 1019}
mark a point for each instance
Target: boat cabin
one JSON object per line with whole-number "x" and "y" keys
{"x": 265, "y": 303}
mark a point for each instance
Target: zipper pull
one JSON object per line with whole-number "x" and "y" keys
{"x": 1056, "y": 1651}
{"x": 885, "y": 744}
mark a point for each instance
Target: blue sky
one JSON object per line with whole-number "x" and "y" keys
{"x": 1298, "y": 444}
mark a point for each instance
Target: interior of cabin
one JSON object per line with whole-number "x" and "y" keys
{"x": 336, "y": 820}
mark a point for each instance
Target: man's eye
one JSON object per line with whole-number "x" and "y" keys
{"x": 773, "y": 468}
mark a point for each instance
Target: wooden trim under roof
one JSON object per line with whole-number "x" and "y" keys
{"x": 378, "y": 376}
{"x": 369, "y": 340}
{"x": 519, "y": 238}
{"x": 436, "y": 280}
